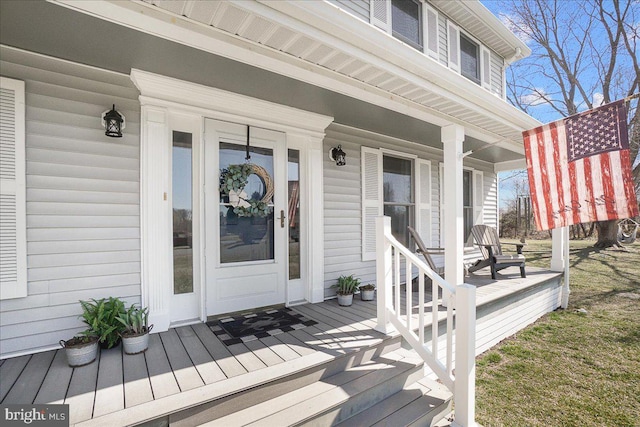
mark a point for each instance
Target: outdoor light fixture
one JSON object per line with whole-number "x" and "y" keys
{"x": 337, "y": 155}
{"x": 113, "y": 123}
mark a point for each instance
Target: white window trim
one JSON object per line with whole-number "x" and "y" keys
{"x": 480, "y": 46}
{"x": 15, "y": 285}
{"x": 421, "y": 26}
{"x": 481, "y": 50}
{"x": 424, "y": 225}
{"x": 368, "y": 220}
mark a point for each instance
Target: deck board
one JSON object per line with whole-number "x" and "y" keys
{"x": 137, "y": 386}
{"x": 249, "y": 361}
{"x": 186, "y": 374}
{"x": 281, "y": 349}
{"x": 110, "y": 390}
{"x": 320, "y": 315}
{"x": 82, "y": 391}
{"x": 295, "y": 344}
{"x": 9, "y": 372}
{"x": 223, "y": 357}
{"x": 208, "y": 369}
{"x": 55, "y": 383}
{"x": 192, "y": 358}
{"x": 264, "y": 353}
{"x": 28, "y": 383}
{"x": 163, "y": 382}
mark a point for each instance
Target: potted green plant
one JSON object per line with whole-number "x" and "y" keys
{"x": 102, "y": 318}
{"x": 367, "y": 291}
{"x": 81, "y": 349}
{"x": 345, "y": 288}
{"x": 135, "y": 337}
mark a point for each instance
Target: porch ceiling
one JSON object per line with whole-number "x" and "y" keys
{"x": 82, "y": 38}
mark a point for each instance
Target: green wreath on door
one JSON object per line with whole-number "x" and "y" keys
{"x": 235, "y": 177}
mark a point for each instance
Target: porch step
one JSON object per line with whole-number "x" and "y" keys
{"x": 389, "y": 390}
{"x": 271, "y": 386}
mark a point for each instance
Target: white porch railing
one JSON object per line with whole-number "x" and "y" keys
{"x": 391, "y": 258}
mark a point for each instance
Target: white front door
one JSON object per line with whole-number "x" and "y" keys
{"x": 245, "y": 255}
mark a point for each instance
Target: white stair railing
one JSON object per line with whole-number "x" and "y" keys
{"x": 397, "y": 265}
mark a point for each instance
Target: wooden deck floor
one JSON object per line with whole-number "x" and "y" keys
{"x": 189, "y": 365}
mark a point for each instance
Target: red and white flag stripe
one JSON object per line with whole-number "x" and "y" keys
{"x": 596, "y": 187}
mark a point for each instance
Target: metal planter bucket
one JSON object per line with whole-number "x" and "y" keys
{"x": 366, "y": 295}
{"x": 80, "y": 354}
{"x": 134, "y": 344}
{"x": 345, "y": 300}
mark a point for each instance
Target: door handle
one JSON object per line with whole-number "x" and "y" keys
{"x": 282, "y": 218}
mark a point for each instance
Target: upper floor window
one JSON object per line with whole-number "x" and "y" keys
{"x": 469, "y": 59}
{"x": 406, "y": 22}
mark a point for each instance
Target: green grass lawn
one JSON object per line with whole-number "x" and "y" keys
{"x": 571, "y": 368}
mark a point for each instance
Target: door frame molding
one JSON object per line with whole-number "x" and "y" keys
{"x": 161, "y": 96}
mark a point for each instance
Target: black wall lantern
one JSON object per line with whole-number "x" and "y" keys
{"x": 113, "y": 123}
{"x": 337, "y": 155}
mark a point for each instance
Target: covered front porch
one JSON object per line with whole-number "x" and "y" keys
{"x": 188, "y": 376}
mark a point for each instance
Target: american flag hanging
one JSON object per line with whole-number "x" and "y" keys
{"x": 580, "y": 168}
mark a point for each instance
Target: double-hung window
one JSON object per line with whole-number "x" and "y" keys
{"x": 406, "y": 22}
{"x": 398, "y": 199}
{"x": 469, "y": 58}
{"x": 398, "y": 186}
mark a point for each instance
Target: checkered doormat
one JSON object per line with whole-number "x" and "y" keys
{"x": 253, "y": 326}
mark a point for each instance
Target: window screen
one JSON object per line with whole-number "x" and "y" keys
{"x": 405, "y": 21}
{"x": 470, "y": 59}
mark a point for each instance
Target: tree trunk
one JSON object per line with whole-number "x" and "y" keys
{"x": 607, "y": 234}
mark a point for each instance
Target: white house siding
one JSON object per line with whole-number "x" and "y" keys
{"x": 343, "y": 200}
{"x": 490, "y": 203}
{"x": 497, "y": 65}
{"x": 444, "y": 45}
{"x": 358, "y": 8}
{"x": 83, "y": 233}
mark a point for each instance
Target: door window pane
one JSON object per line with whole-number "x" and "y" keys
{"x": 246, "y": 238}
{"x": 294, "y": 214}
{"x": 182, "y": 190}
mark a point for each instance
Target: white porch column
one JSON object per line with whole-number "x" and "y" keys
{"x": 452, "y": 137}
{"x": 315, "y": 219}
{"x": 560, "y": 259}
{"x": 155, "y": 217}
{"x": 383, "y": 273}
{"x": 465, "y": 383}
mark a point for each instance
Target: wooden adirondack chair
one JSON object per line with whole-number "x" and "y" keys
{"x": 487, "y": 239}
{"x": 435, "y": 263}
